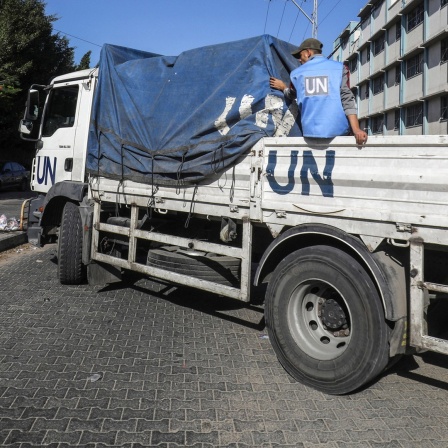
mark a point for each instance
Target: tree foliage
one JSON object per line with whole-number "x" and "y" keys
{"x": 84, "y": 62}
{"x": 29, "y": 54}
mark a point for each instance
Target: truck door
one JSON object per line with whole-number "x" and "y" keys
{"x": 54, "y": 158}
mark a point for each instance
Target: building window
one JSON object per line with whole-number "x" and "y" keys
{"x": 414, "y": 115}
{"x": 444, "y": 50}
{"x": 398, "y": 31}
{"x": 414, "y": 66}
{"x": 397, "y": 75}
{"x": 367, "y": 90}
{"x": 378, "y": 45}
{"x": 415, "y": 17}
{"x": 368, "y": 53}
{"x": 397, "y": 120}
{"x": 377, "y": 124}
{"x": 444, "y": 108}
{"x": 378, "y": 5}
{"x": 378, "y": 84}
{"x": 353, "y": 64}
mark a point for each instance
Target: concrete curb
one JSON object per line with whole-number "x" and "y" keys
{"x": 9, "y": 240}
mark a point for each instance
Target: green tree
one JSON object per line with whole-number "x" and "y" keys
{"x": 84, "y": 62}
{"x": 29, "y": 54}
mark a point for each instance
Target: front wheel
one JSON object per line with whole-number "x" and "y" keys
{"x": 71, "y": 270}
{"x": 325, "y": 320}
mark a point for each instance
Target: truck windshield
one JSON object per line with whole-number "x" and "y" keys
{"x": 61, "y": 109}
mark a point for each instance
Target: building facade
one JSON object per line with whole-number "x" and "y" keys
{"x": 398, "y": 56}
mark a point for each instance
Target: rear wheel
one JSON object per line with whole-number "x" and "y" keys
{"x": 325, "y": 320}
{"x": 71, "y": 271}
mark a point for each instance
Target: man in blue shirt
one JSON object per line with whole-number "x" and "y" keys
{"x": 326, "y": 103}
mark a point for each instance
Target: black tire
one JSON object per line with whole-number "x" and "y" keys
{"x": 325, "y": 320}
{"x": 71, "y": 270}
{"x": 214, "y": 268}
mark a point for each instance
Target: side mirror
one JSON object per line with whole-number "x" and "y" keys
{"x": 25, "y": 127}
{"x": 30, "y": 124}
{"x": 32, "y": 109}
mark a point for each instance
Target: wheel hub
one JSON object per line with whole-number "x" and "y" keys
{"x": 332, "y": 315}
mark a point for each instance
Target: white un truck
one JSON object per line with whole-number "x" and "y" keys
{"x": 189, "y": 169}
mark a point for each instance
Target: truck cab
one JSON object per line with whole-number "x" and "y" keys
{"x": 57, "y": 118}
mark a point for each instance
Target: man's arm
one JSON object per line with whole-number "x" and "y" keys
{"x": 278, "y": 84}
{"x": 349, "y": 106}
{"x": 360, "y": 135}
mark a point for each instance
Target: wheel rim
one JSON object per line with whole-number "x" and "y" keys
{"x": 319, "y": 320}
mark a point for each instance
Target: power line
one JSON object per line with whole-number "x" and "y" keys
{"x": 295, "y": 21}
{"x": 330, "y": 11}
{"x": 312, "y": 19}
{"x": 305, "y": 31}
{"x": 267, "y": 14}
{"x": 71, "y": 35}
{"x": 293, "y": 27}
{"x": 281, "y": 20}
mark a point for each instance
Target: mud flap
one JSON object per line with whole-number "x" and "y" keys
{"x": 99, "y": 274}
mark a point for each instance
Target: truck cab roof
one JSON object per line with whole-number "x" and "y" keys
{"x": 81, "y": 74}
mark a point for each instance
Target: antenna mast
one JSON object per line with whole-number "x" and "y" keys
{"x": 312, "y": 19}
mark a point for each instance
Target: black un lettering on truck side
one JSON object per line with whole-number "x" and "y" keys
{"x": 309, "y": 165}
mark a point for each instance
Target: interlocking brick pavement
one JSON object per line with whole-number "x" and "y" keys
{"x": 180, "y": 367}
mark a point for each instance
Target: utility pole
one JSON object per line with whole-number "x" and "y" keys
{"x": 312, "y": 19}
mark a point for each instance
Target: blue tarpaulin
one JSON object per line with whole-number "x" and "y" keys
{"x": 178, "y": 120}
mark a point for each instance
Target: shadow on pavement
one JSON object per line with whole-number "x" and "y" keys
{"x": 407, "y": 368}
{"x": 195, "y": 299}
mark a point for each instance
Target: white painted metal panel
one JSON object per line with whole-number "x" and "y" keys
{"x": 368, "y": 190}
{"x": 390, "y": 180}
{"x": 226, "y": 194}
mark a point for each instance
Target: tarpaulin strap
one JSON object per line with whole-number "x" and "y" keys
{"x": 122, "y": 162}
{"x": 232, "y": 185}
{"x": 99, "y": 152}
{"x": 120, "y": 184}
{"x": 217, "y": 160}
{"x": 154, "y": 189}
{"x": 187, "y": 222}
{"x": 179, "y": 172}
{"x": 117, "y": 208}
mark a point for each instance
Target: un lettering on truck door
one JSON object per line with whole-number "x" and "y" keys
{"x": 46, "y": 170}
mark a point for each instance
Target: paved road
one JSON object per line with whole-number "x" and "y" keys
{"x": 130, "y": 366}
